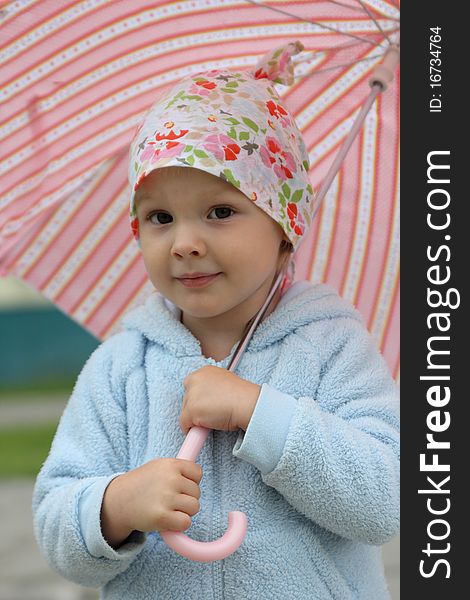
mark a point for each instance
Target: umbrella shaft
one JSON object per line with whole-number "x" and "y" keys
{"x": 246, "y": 338}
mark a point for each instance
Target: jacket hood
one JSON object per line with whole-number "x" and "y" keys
{"x": 158, "y": 318}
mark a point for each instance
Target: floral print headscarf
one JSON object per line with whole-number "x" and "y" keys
{"x": 232, "y": 125}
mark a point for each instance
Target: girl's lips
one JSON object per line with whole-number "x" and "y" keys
{"x": 198, "y": 281}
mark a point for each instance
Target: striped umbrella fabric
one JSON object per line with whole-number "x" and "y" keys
{"x": 76, "y": 79}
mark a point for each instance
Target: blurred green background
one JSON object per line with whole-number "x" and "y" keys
{"x": 42, "y": 351}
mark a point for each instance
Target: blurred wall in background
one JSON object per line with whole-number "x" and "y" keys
{"x": 39, "y": 345}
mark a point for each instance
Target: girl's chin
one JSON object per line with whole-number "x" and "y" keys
{"x": 200, "y": 312}
{"x": 203, "y": 308}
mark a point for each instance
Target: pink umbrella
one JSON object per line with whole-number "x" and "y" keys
{"x": 77, "y": 78}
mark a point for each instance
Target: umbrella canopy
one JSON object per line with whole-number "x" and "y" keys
{"x": 76, "y": 79}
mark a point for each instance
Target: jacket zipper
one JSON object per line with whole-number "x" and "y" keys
{"x": 218, "y": 564}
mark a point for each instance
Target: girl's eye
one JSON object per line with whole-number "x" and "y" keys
{"x": 223, "y": 209}
{"x": 163, "y": 218}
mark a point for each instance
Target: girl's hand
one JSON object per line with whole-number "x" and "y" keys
{"x": 161, "y": 495}
{"x": 217, "y": 399}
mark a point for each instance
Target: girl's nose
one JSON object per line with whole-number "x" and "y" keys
{"x": 187, "y": 241}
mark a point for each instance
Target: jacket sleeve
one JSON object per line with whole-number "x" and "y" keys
{"x": 88, "y": 451}
{"x": 334, "y": 455}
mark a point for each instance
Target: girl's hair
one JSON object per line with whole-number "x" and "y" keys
{"x": 287, "y": 246}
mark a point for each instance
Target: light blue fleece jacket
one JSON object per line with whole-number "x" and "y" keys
{"x": 316, "y": 472}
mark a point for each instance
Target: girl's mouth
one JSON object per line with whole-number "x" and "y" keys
{"x": 198, "y": 281}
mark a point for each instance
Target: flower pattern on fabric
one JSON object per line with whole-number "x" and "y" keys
{"x": 202, "y": 87}
{"x": 221, "y": 146}
{"x": 283, "y": 163}
{"x": 277, "y": 65}
{"x": 233, "y": 125}
{"x": 296, "y": 220}
{"x": 276, "y": 110}
{"x": 135, "y": 227}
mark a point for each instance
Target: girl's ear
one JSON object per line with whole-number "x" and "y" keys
{"x": 285, "y": 251}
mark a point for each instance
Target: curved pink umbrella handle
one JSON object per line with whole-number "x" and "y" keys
{"x": 237, "y": 521}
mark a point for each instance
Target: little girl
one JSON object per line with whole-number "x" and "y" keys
{"x": 304, "y": 437}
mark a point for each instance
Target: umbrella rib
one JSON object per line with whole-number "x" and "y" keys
{"x": 344, "y": 5}
{"x": 348, "y": 64}
{"x": 253, "y": 323}
{"x": 377, "y": 24}
{"x": 338, "y": 48}
{"x": 329, "y": 27}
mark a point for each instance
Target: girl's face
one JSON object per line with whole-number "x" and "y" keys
{"x": 191, "y": 221}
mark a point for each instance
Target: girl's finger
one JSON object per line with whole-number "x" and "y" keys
{"x": 187, "y": 504}
{"x": 189, "y": 487}
{"x": 190, "y": 470}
